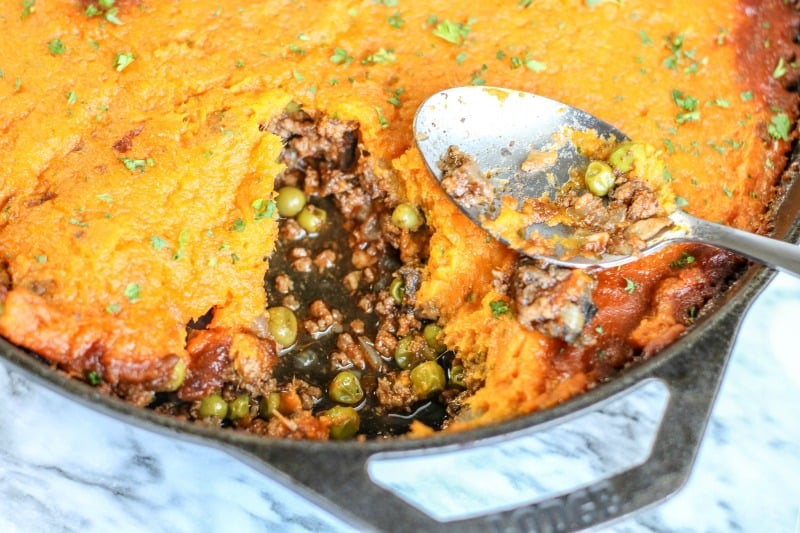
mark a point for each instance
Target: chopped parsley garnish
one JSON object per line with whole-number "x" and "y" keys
{"x": 182, "y": 239}
{"x": 136, "y": 164}
{"x": 157, "y": 242}
{"x": 778, "y": 126}
{"x": 93, "y": 377}
{"x": 685, "y": 260}
{"x": 341, "y": 57}
{"x": 238, "y": 225}
{"x": 113, "y": 309}
{"x": 122, "y": 60}
{"x": 689, "y": 105}
{"x": 499, "y": 307}
{"x": 27, "y": 8}
{"x": 382, "y": 120}
{"x": 780, "y": 69}
{"x": 746, "y": 96}
{"x": 56, "y": 47}
{"x": 646, "y": 40}
{"x": 395, "y": 98}
{"x": 453, "y": 32}
{"x": 630, "y": 285}
{"x": 71, "y": 98}
{"x": 105, "y": 197}
{"x": 382, "y": 56}
{"x": 133, "y": 292}
{"x": 592, "y": 3}
{"x": 41, "y": 258}
{"x": 77, "y": 222}
{"x": 476, "y": 77}
{"x": 264, "y": 209}
{"x": 396, "y": 21}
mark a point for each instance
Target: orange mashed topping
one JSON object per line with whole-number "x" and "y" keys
{"x": 135, "y": 185}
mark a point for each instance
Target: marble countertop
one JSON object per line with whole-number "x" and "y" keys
{"x": 64, "y": 467}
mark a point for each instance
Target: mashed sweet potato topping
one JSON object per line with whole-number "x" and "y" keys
{"x": 140, "y": 155}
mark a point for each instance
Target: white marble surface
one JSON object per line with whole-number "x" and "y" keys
{"x": 64, "y": 467}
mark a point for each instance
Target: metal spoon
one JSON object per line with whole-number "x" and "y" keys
{"x": 499, "y": 127}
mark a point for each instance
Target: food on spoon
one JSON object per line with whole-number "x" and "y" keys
{"x": 616, "y": 204}
{"x": 154, "y": 171}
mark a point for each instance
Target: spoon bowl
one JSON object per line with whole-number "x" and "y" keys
{"x": 499, "y": 129}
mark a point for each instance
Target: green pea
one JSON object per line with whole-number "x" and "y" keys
{"x": 344, "y": 422}
{"x": 177, "y": 376}
{"x": 290, "y": 201}
{"x": 626, "y": 155}
{"x": 457, "y": 376}
{"x": 239, "y": 407}
{"x": 599, "y": 178}
{"x": 282, "y": 325}
{"x": 397, "y": 290}
{"x": 406, "y": 216}
{"x": 213, "y": 405}
{"x": 404, "y": 352}
{"x": 427, "y": 379}
{"x": 345, "y": 388}
{"x": 269, "y": 404}
{"x": 431, "y": 334}
{"x": 312, "y": 218}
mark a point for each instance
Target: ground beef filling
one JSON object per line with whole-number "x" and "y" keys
{"x": 363, "y": 345}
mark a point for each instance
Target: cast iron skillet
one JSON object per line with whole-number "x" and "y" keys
{"x": 691, "y": 369}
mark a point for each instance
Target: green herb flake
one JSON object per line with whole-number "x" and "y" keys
{"x": 778, "y": 126}
{"x": 382, "y": 120}
{"x": 77, "y": 222}
{"x": 780, "y": 69}
{"x": 105, "y": 197}
{"x": 183, "y": 238}
{"x": 111, "y": 16}
{"x": 56, "y": 47}
{"x": 685, "y": 260}
{"x": 264, "y": 209}
{"x": 746, "y": 96}
{"x": 134, "y": 164}
{"x": 599, "y": 330}
{"x": 71, "y": 98}
{"x": 157, "y": 243}
{"x": 341, "y": 57}
{"x": 460, "y": 58}
{"x": 453, "y": 32}
{"x": 395, "y": 20}
{"x": 41, "y": 258}
{"x": 534, "y": 65}
{"x": 27, "y": 8}
{"x": 646, "y": 40}
{"x": 238, "y": 225}
{"x": 93, "y": 377}
{"x": 499, "y": 307}
{"x": 122, "y": 60}
{"x": 476, "y": 78}
{"x": 630, "y": 285}
{"x": 113, "y": 309}
{"x": 381, "y": 57}
{"x": 395, "y": 98}
{"x": 680, "y": 201}
{"x": 133, "y": 292}
{"x": 592, "y": 3}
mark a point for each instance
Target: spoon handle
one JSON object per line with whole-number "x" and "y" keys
{"x": 778, "y": 254}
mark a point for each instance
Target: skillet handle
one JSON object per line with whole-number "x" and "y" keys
{"x": 337, "y": 479}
